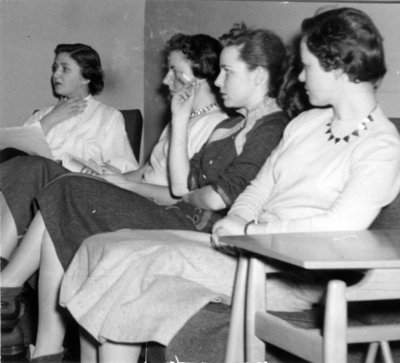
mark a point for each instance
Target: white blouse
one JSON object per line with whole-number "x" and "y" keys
{"x": 98, "y": 133}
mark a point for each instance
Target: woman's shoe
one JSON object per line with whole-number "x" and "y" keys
{"x": 12, "y": 342}
{"x": 50, "y": 358}
{"x": 10, "y": 307}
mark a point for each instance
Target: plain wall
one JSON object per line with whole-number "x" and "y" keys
{"x": 31, "y": 29}
{"x": 166, "y": 17}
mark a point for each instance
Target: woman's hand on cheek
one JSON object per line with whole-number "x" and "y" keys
{"x": 182, "y": 102}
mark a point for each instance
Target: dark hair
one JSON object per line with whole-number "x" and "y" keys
{"x": 89, "y": 62}
{"x": 347, "y": 39}
{"x": 201, "y": 50}
{"x": 263, "y": 48}
{"x": 292, "y": 96}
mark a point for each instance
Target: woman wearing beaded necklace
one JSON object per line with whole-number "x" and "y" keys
{"x": 73, "y": 208}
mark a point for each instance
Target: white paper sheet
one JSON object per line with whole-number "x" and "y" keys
{"x": 75, "y": 162}
{"x": 29, "y": 138}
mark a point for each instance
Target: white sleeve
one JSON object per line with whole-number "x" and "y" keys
{"x": 37, "y": 115}
{"x": 250, "y": 202}
{"x": 115, "y": 145}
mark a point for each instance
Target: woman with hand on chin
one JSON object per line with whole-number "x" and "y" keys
{"x": 78, "y": 124}
{"x": 191, "y": 61}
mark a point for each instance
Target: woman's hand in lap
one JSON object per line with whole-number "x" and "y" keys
{"x": 229, "y": 226}
{"x": 120, "y": 180}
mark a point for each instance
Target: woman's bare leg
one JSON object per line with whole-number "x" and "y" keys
{"x": 121, "y": 353}
{"x": 51, "y": 325}
{"x": 8, "y": 230}
{"x": 26, "y": 258}
{"x": 89, "y": 347}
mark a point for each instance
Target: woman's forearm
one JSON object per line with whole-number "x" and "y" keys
{"x": 157, "y": 193}
{"x": 205, "y": 198}
{"x": 178, "y": 158}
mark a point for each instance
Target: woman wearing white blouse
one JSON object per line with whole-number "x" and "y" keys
{"x": 77, "y": 125}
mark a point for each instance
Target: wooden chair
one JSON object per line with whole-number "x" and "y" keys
{"x": 321, "y": 344}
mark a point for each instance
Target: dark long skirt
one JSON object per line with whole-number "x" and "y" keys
{"x": 75, "y": 207}
{"x": 21, "y": 179}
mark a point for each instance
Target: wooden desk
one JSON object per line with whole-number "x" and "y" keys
{"x": 377, "y": 252}
{"x": 326, "y": 250}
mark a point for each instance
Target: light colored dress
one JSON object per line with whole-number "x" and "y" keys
{"x": 135, "y": 286}
{"x": 138, "y": 286}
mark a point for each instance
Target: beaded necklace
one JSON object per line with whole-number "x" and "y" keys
{"x": 201, "y": 111}
{"x": 363, "y": 125}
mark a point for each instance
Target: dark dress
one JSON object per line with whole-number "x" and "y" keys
{"x": 75, "y": 207}
{"x": 21, "y": 179}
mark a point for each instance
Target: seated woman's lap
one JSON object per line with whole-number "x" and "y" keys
{"x": 21, "y": 179}
{"x": 75, "y": 207}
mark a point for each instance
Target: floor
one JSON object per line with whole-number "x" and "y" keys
{"x": 29, "y": 319}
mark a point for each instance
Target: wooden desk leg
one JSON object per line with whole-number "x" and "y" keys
{"x": 335, "y": 324}
{"x": 386, "y": 353}
{"x": 255, "y": 347}
{"x": 235, "y": 344}
{"x": 372, "y": 350}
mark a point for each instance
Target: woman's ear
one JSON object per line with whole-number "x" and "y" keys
{"x": 261, "y": 76}
{"x": 85, "y": 81}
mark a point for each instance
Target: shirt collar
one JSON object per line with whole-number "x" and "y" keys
{"x": 265, "y": 107}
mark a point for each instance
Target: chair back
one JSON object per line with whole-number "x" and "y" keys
{"x": 133, "y": 126}
{"x": 389, "y": 217}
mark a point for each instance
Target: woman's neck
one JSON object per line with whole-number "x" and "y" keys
{"x": 79, "y": 95}
{"x": 204, "y": 97}
{"x": 265, "y": 106}
{"x": 355, "y": 104}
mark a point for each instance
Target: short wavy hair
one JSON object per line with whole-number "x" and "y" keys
{"x": 347, "y": 39}
{"x": 89, "y": 62}
{"x": 201, "y": 50}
